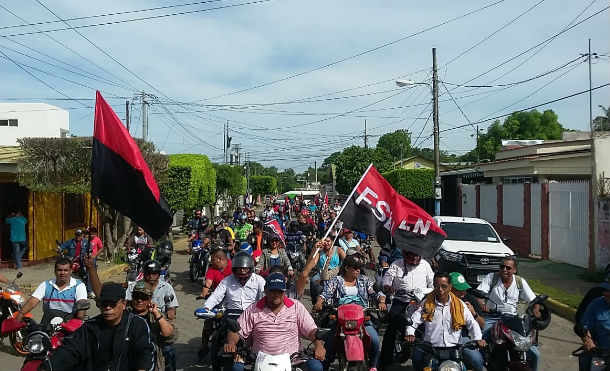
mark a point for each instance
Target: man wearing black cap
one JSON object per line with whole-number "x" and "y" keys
{"x": 114, "y": 340}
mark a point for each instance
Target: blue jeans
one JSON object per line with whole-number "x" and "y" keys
{"x": 329, "y": 344}
{"x": 472, "y": 357}
{"x": 170, "y": 357}
{"x": 19, "y": 249}
{"x": 310, "y": 365}
{"x": 533, "y": 354}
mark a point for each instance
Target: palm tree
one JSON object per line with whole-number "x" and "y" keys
{"x": 602, "y": 123}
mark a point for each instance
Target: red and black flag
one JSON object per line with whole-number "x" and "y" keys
{"x": 374, "y": 207}
{"x": 121, "y": 178}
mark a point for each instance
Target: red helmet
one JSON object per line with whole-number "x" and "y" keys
{"x": 411, "y": 258}
{"x": 305, "y": 212}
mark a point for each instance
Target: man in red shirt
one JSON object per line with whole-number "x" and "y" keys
{"x": 220, "y": 268}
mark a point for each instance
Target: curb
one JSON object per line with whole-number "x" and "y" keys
{"x": 561, "y": 309}
{"x": 111, "y": 270}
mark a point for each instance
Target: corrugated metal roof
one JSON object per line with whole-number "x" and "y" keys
{"x": 9, "y": 154}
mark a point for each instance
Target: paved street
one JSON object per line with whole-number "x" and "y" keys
{"x": 557, "y": 341}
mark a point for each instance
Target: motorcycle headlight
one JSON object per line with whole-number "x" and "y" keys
{"x": 450, "y": 366}
{"x": 17, "y": 298}
{"x": 522, "y": 343}
{"x": 351, "y": 325}
{"x": 450, "y": 256}
{"x": 36, "y": 343}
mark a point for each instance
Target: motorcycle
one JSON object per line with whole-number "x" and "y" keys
{"x": 11, "y": 300}
{"x": 403, "y": 351}
{"x": 220, "y": 320}
{"x": 77, "y": 267}
{"x": 268, "y": 362}
{"x": 445, "y": 358}
{"x": 512, "y": 335}
{"x": 600, "y": 358}
{"x": 199, "y": 261}
{"x": 41, "y": 340}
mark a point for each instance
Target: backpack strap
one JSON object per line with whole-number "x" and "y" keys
{"x": 496, "y": 278}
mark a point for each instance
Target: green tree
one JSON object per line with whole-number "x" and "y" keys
{"x": 352, "y": 163}
{"x": 263, "y": 185}
{"x": 519, "y": 125}
{"x": 230, "y": 182}
{"x": 191, "y": 182}
{"x": 412, "y": 183}
{"x": 287, "y": 181}
{"x": 397, "y": 144}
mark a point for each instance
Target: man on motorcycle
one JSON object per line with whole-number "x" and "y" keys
{"x": 114, "y": 340}
{"x": 163, "y": 332}
{"x": 443, "y": 315}
{"x": 219, "y": 236}
{"x": 505, "y": 289}
{"x": 59, "y": 295}
{"x": 472, "y": 357}
{"x": 401, "y": 279}
{"x": 193, "y": 225}
{"x": 238, "y": 290}
{"x": 161, "y": 289}
{"x": 275, "y": 324}
{"x": 295, "y": 239}
{"x": 596, "y": 319}
{"x": 243, "y": 228}
{"x": 219, "y": 270}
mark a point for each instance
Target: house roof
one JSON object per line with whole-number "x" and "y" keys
{"x": 9, "y": 154}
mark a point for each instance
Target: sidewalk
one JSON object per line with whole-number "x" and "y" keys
{"x": 34, "y": 275}
{"x": 565, "y": 278}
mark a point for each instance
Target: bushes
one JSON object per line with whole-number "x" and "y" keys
{"x": 191, "y": 182}
{"x": 412, "y": 183}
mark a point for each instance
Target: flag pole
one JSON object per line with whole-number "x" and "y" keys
{"x": 343, "y": 207}
{"x": 345, "y": 203}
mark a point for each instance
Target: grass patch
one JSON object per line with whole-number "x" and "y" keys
{"x": 593, "y": 275}
{"x": 571, "y": 300}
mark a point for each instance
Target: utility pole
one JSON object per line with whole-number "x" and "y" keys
{"x": 224, "y": 143}
{"x": 366, "y": 142}
{"x": 437, "y": 157}
{"x": 477, "y": 146}
{"x": 144, "y": 118}
{"x": 127, "y": 115}
{"x": 315, "y": 166}
{"x": 248, "y": 190}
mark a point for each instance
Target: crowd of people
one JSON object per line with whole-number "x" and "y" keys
{"x": 136, "y": 326}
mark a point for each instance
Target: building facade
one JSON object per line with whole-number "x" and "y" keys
{"x": 41, "y": 120}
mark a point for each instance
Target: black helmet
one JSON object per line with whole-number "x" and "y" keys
{"x": 204, "y": 220}
{"x": 294, "y": 224}
{"x": 545, "y": 313}
{"x": 165, "y": 248}
{"x": 218, "y": 221}
{"x": 151, "y": 266}
{"x": 242, "y": 260}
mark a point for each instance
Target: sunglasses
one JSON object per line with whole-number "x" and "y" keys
{"x": 107, "y": 304}
{"x": 443, "y": 286}
{"x": 507, "y": 267}
{"x": 141, "y": 297}
{"x": 275, "y": 240}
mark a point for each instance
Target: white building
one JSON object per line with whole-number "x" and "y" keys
{"x": 19, "y": 120}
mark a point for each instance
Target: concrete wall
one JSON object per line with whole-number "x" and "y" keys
{"x": 33, "y": 120}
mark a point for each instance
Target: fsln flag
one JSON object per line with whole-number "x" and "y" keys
{"x": 376, "y": 208}
{"x": 121, "y": 178}
{"x": 273, "y": 226}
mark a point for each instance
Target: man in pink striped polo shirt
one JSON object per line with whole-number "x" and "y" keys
{"x": 275, "y": 324}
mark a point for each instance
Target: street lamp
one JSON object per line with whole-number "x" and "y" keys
{"x": 434, "y": 89}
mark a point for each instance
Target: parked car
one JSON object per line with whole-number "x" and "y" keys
{"x": 473, "y": 247}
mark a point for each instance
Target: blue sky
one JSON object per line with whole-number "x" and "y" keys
{"x": 197, "y": 64}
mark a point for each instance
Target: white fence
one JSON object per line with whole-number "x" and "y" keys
{"x": 469, "y": 201}
{"x": 489, "y": 204}
{"x": 512, "y": 205}
{"x": 536, "y": 221}
{"x": 569, "y": 222}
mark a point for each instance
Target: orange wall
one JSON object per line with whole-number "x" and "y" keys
{"x": 47, "y": 223}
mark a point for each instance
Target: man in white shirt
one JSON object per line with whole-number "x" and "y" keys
{"x": 443, "y": 323}
{"x": 401, "y": 279}
{"x": 240, "y": 289}
{"x": 505, "y": 289}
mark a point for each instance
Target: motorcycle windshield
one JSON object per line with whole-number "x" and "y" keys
{"x": 521, "y": 325}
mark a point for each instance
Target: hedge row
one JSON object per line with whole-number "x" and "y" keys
{"x": 412, "y": 183}
{"x": 191, "y": 182}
